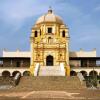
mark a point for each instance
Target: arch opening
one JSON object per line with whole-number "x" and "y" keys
{"x": 15, "y": 72}
{"x": 6, "y": 74}
{"x": 73, "y": 73}
{"x": 63, "y": 33}
{"x": 36, "y": 34}
{"x": 26, "y": 73}
{"x": 93, "y": 73}
{"x": 84, "y": 73}
{"x": 49, "y": 60}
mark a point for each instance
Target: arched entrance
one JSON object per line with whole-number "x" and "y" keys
{"x": 49, "y": 60}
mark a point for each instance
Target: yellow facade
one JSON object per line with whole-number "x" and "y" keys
{"x": 50, "y": 42}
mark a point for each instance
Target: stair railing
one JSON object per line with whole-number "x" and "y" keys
{"x": 62, "y": 68}
{"x": 36, "y": 70}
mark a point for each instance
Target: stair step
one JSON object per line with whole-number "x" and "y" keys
{"x": 50, "y": 71}
{"x": 49, "y": 83}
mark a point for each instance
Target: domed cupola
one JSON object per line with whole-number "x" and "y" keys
{"x": 49, "y": 17}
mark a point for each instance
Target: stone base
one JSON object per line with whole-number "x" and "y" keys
{"x": 67, "y": 70}
{"x": 31, "y": 70}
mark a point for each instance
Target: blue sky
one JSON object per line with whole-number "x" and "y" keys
{"x": 18, "y": 16}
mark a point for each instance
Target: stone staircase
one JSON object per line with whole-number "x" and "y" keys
{"x": 54, "y": 83}
{"x": 51, "y": 71}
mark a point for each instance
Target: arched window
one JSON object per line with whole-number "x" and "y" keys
{"x": 36, "y": 34}
{"x": 63, "y": 33}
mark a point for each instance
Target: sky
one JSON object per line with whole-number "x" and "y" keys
{"x": 18, "y": 16}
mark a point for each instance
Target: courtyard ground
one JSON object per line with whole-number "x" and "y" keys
{"x": 50, "y": 88}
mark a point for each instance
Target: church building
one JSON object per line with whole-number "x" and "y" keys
{"x": 50, "y": 41}
{"x": 49, "y": 53}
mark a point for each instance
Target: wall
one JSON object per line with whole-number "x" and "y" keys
{"x": 16, "y": 54}
{"x": 82, "y": 53}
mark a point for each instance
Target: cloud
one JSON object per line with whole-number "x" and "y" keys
{"x": 16, "y": 18}
{"x": 17, "y": 10}
{"x": 14, "y": 14}
{"x": 97, "y": 8}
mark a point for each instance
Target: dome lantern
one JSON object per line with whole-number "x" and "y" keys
{"x": 50, "y": 10}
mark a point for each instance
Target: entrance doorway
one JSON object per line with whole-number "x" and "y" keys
{"x": 49, "y": 60}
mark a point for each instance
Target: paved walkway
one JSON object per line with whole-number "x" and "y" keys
{"x": 50, "y": 94}
{"x": 37, "y": 95}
